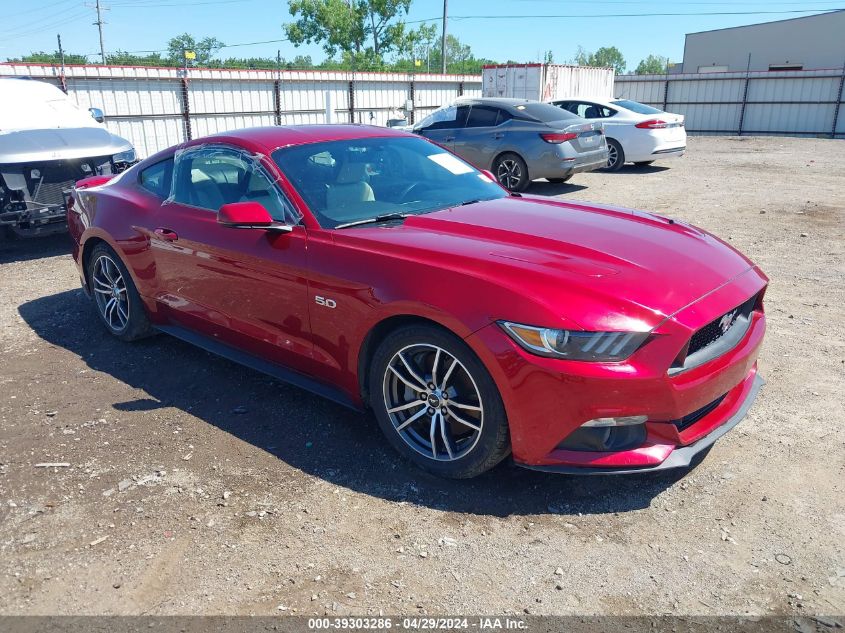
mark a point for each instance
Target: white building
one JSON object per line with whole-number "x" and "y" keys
{"x": 808, "y": 43}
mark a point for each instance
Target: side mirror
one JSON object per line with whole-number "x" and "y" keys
{"x": 98, "y": 115}
{"x": 248, "y": 215}
{"x": 489, "y": 174}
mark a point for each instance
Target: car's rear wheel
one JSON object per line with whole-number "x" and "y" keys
{"x": 615, "y": 155}
{"x": 437, "y": 404}
{"x": 557, "y": 181}
{"x": 511, "y": 172}
{"x": 115, "y": 296}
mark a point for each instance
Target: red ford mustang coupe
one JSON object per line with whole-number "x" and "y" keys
{"x": 377, "y": 269}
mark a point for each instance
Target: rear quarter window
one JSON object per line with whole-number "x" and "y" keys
{"x": 157, "y": 178}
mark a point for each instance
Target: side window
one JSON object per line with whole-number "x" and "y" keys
{"x": 210, "y": 177}
{"x": 157, "y": 178}
{"x": 448, "y": 118}
{"x": 569, "y": 106}
{"x": 482, "y": 116}
{"x": 606, "y": 113}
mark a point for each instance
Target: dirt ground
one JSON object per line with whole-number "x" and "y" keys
{"x": 197, "y": 486}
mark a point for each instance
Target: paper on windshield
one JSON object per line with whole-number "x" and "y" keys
{"x": 451, "y": 163}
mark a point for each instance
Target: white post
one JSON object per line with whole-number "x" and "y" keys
{"x": 329, "y": 107}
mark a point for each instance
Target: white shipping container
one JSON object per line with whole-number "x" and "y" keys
{"x": 544, "y": 82}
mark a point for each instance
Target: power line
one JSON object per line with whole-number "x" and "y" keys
{"x": 636, "y": 15}
{"x": 6, "y": 16}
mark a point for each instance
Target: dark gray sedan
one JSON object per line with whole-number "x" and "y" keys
{"x": 516, "y": 139}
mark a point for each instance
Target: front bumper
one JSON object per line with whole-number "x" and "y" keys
{"x": 35, "y": 220}
{"x": 547, "y": 400}
{"x": 678, "y": 457}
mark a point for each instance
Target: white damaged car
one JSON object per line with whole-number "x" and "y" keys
{"x": 47, "y": 143}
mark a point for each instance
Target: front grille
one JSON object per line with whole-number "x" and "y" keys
{"x": 691, "y": 418}
{"x": 51, "y": 193}
{"x": 716, "y": 329}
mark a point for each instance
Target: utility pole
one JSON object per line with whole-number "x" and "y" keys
{"x": 443, "y": 40}
{"x": 99, "y": 24}
{"x": 61, "y": 53}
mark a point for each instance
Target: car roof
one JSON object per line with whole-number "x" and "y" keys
{"x": 499, "y": 101}
{"x": 263, "y": 140}
{"x": 603, "y": 102}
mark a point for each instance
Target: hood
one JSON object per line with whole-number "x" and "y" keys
{"x": 624, "y": 268}
{"x": 26, "y": 146}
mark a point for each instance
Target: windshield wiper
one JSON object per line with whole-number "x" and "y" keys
{"x": 385, "y": 217}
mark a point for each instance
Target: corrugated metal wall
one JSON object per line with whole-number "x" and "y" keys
{"x": 800, "y": 103}
{"x": 159, "y": 107}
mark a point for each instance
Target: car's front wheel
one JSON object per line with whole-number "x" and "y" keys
{"x": 437, "y": 404}
{"x": 115, "y": 296}
{"x": 511, "y": 172}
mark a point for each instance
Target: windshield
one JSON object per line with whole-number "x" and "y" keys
{"x": 635, "y": 106}
{"x": 358, "y": 179}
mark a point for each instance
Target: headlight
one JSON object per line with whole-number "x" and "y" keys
{"x": 124, "y": 157}
{"x": 574, "y": 344}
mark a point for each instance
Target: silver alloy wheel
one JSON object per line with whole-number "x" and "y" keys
{"x": 612, "y": 156}
{"x": 433, "y": 402}
{"x": 110, "y": 292}
{"x": 509, "y": 173}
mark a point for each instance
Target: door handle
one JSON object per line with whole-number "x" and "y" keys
{"x": 166, "y": 234}
{"x": 498, "y": 136}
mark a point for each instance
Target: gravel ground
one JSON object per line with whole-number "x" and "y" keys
{"x": 197, "y": 486}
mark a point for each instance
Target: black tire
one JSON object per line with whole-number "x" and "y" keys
{"x": 559, "y": 181}
{"x": 615, "y": 155}
{"x": 472, "y": 450}
{"x": 136, "y": 325}
{"x": 511, "y": 172}
{"x": 643, "y": 163}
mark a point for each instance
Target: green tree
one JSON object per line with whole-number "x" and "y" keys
{"x": 122, "y": 58}
{"x": 549, "y": 57}
{"x": 652, "y": 65}
{"x": 51, "y": 58}
{"x": 204, "y": 48}
{"x": 370, "y": 27}
{"x": 605, "y": 57}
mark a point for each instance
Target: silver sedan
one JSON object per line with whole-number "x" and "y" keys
{"x": 517, "y": 140}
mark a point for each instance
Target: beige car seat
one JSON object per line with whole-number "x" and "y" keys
{"x": 351, "y": 187}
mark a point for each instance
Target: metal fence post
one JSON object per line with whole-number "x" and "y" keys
{"x": 277, "y": 101}
{"x": 666, "y": 93}
{"x": 413, "y": 112}
{"x": 460, "y": 88}
{"x": 352, "y": 101}
{"x": 744, "y": 95}
{"x": 838, "y": 105}
{"x": 186, "y": 109}
{"x": 742, "y": 108}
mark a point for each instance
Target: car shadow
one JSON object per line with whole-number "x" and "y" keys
{"x": 639, "y": 170}
{"x": 29, "y": 248}
{"x": 310, "y": 433}
{"x": 543, "y": 188}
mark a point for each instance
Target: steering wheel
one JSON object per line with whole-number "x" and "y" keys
{"x": 407, "y": 191}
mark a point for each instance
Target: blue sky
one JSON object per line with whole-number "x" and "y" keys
{"x": 140, "y": 25}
